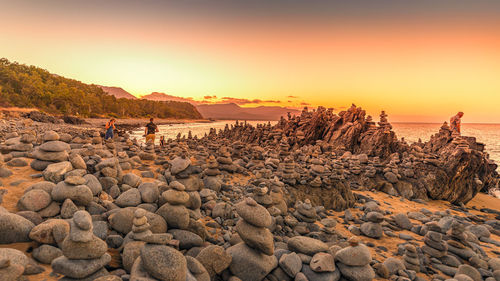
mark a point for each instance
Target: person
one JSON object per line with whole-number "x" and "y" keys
{"x": 162, "y": 141}
{"x": 110, "y": 126}
{"x": 150, "y": 131}
{"x": 455, "y": 122}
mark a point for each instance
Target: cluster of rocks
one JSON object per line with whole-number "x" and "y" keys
{"x": 249, "y": 203}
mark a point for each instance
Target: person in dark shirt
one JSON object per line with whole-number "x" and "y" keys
{"x": 150, "y": 131}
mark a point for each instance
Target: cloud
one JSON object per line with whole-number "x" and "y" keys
{"x": 209, "y": 97}
{"x": 293, "y": 97}
{"x": 304, "y": 103}
{"x": 245, "y": 101}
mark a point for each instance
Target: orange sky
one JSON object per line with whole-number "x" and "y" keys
{"x": 413, "y": 62}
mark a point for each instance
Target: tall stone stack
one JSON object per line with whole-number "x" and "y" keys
{"x": 354, "y": 261}
{"x": 212, "y": 172}
{"x": 288, "y": 173}
{"x": 174, "y": 211}
{"x": 149, "y": 152}
{"x": 434, "y": 245}
{"x": 84, "y": 254}
{"x": 252, "y": 259}
{"x": 261, "y": 195}
{"x": 225, "y": 160}
{"x": 305, "y": 211}
{"x": 51, "y": 151}
{"x": 411, "y": 259}
{"x": 372, "y": 228}
{"x": 23, "y": 146}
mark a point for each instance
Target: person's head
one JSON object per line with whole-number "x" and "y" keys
{"x": 112, "y": 120}
{"x": 151, "y": 120}
{"x": 460, "y": 114}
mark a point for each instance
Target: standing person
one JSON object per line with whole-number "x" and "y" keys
{"x": 110, "y": 126}
{"x": 162, "y": 141}
{"x": 150, "y": 131}
{"x": 455, "y": 122}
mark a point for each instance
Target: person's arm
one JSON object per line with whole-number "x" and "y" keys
{"x": 146, "y": 130}
{"x": 156, "y": 129}
{"x": 107, "y": 126}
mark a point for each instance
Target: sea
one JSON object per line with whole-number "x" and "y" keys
{"x": 489, "y": 134}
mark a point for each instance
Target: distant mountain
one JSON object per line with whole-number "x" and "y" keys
{"x": 232, "y": 111}
{"x": 117, "y": 92}
{"x": 164, "y": 97}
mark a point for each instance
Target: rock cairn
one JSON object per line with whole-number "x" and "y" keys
{"x": 51, "y": 151}
{"x": 84, "y": 254}
{"x": 174, "y": 211}
{"x": 354, "y": 261}
{"x": 253, "y": 259}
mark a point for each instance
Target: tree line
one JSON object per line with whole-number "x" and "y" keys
{"x": 30, "y": 86}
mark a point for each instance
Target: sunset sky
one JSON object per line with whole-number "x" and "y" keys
{"x": 419, "y": 60}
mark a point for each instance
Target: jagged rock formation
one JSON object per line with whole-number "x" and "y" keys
{"x": 448, "y": 167}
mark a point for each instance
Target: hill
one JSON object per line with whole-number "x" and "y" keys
{"x": 156, "y": 96}
{"x": 29, "y": 86}
{"x": 231, "y": 111}
{"x": 117, "y": 92}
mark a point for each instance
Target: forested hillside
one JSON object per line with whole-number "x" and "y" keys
{"x": 30, "y": 86}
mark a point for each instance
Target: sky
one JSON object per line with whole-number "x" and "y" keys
{"x": 420, "y": 61}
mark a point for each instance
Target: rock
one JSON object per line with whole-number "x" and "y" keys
{"x": 259, "y": 238}
{"x": 403, "y": 221}
{"x": 290, "y": 263}
{"x": 394, "y": 265}
{"x": 54, "y": 146}
{"x": 14, "y": 228}
{"x": 50, "y": 156}
{"x": 51, "y": 231}
{"x": 354, "y": 256}
{"x": 186, "y": 238}
{"x": 93, "y": 183}
{"x": 164, "y": 263}
{"x": 371, "y": 229}
{"x": 249, "y": 264}
{"x": 306, "y": 245}
{"x": 469, "y": 271}
{"x": 322, "y": 262}
{"x": 5, "y": 173}
{"x": 132, "y": 179}
{"x": 79, "y": 268}
{"x": 176, "y": 216}
{"x": 80, "y": 194}
{"x": 14, "y": 256}
{"x": 319, "y": 276}
{"x": 34, "y": 200}
{"x": 77, "y": 161}
{"x": 68, "y": 209}
{"x": 197, "y": 270}
{"x": 129, "y": 198}
{"x": 253, "y": 213}
{"x": 391, "y": 177}
{"x": 46, "y": 253}
{"x": 17, "y": 162}
{"x": 179, "y": 164}
{"x": 215, "y": 259}
{"x": 356, "y": 273}
{"x": 149, "y": 192}
{"x": 55, "y": 172}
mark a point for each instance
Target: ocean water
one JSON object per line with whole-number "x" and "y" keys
{"x": 489, "y": 134}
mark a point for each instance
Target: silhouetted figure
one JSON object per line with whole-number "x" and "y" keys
{"x": 455, "y": 122}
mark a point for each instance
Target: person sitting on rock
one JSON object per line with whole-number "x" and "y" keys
{"x": 110, "y": 126}
{"x": 150, "y": 131}
{"x": 455, "y": 122}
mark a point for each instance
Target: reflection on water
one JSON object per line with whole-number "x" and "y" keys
{"x": 488, "y": 134}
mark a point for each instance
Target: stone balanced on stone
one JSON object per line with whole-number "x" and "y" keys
{"x": 84, "y": 254}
